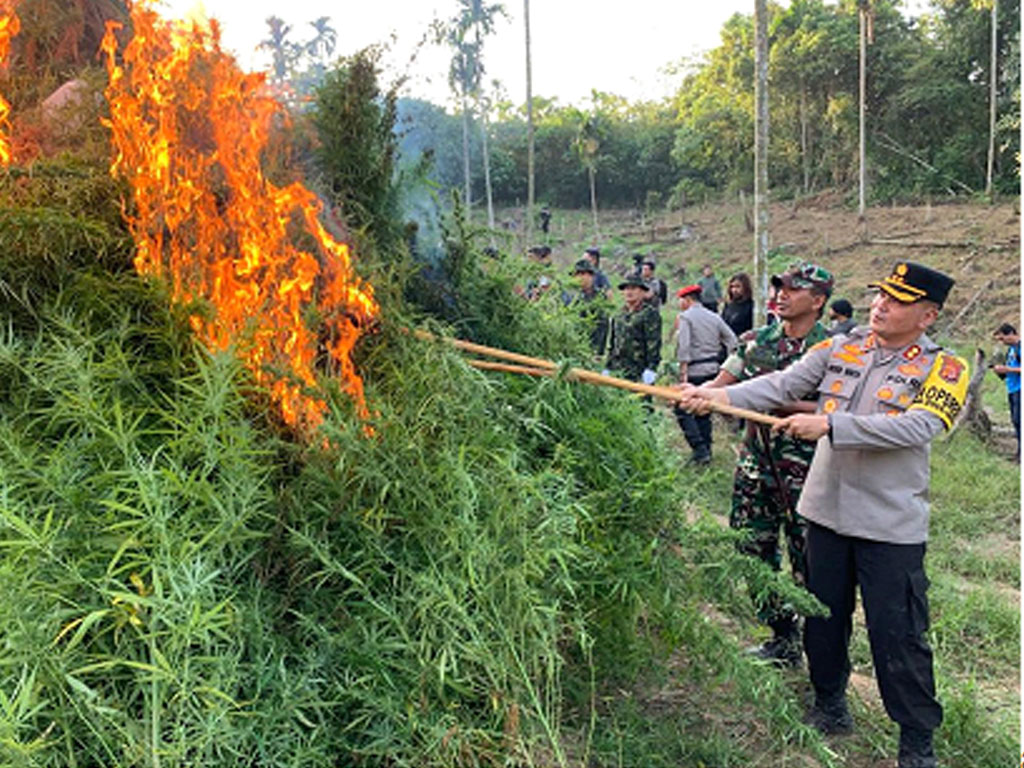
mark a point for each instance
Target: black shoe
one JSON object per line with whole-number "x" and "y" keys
{"x": 830, "y": 716}
{"x": 699, "y": 460}
{"x": 916, "y": 749}
{"x": 781, "y": 651}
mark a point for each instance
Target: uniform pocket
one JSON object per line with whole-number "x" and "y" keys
{"x": 834, "y": 393}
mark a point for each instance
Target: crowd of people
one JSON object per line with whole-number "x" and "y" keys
{"x": 842, "y": 473}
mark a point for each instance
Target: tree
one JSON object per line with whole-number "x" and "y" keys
{"x": 760, "y": 154}
{"x": 282, "y": 51}
{"x": 529, "y": 125}
{"x": 464, "y": 34}
{"x": 586, "y": 146}
{"x": 358, "y": 148}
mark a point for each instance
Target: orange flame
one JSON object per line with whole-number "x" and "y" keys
{"x": 9, "y": 26}
{"x": 188, "y": 129}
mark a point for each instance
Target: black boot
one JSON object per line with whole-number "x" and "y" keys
{"x": 830, "y": 715}
{"x": 916, "y": 748}
{"x": 785, "y": 648}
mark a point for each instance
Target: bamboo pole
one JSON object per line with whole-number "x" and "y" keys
{"x": 536, "y": 366}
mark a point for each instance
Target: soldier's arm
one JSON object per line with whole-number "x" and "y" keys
{"x": 781, "y": 388}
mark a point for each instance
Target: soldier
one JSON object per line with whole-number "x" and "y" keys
{"x": 634, "y": 346}
{"x": 770, "y": 472}
{"x": 601, "y": 282}
{"x": 886, "y": 391}
{"x": 589, "y": 301}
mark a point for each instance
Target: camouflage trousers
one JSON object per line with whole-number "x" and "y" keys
{"x": 760, "y": 509}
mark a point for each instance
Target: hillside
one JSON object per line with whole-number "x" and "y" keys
{"x": 978, "y": 244}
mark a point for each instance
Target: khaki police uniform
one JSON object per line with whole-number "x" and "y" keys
{"x": 866, "y": 496}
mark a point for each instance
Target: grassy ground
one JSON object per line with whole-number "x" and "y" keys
{"x": 974, "y": 553}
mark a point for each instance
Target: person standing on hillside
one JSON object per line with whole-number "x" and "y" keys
{"x": 657, "y": 290}
{"x": 710, "y": 288}
{"x": 589, "y": 301}
{"x": 771, "y": 470}
{"x": 634, "y": 343}
{"x": 1010, "y": 370}
{"x": 886, "y": 392}
{"x": 601, "y": 282}
{"x": 701, "y": 334}
{"x": 738, "y": 311}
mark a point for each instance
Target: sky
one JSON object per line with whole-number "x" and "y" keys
{"x": 576, "y": 45}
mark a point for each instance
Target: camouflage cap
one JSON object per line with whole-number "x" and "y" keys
{"x": 583, "y": 265}
{"x": 805, "y": 275}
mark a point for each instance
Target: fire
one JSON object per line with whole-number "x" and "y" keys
{"x": 9, "y": 26}
{"x": 188, "y": 129}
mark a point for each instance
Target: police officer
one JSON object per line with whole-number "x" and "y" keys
{"x": 771, "y": 470}
{"x": 702, "y": 334}
{"x": 634, "y": 344}
{"x": 886, "y": 391}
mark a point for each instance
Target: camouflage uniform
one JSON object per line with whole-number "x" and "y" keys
{"x": 758, "y": 504}
{"x": 634, "y": 342}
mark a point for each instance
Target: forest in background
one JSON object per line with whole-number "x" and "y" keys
{"x": 927, "y": 116}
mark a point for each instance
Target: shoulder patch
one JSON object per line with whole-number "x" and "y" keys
{"x": 945, "y": 390}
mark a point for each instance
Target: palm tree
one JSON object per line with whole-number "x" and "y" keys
{"x": 322, "y": 44}
{"x": 464, "y": 34}
{"x": 281, "y": 51}
{"x": 586, "y": 145}
{"x": 529, "y": 126}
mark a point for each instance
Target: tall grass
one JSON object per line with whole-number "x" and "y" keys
{"x": 183, "y": 584}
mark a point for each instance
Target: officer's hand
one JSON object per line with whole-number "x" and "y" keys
{"x": 648, "y": 376}
{"x": 1001, "y": 368}
{"x": 806, "y": 426}
{"x": 698, "y": 400}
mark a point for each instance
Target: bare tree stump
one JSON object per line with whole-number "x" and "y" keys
{"x": 973, "y": 415}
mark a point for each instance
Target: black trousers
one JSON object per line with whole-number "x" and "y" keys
{"x": 696, "y": 429}
{"x": 1013, "y": 398}
{"x": 893, "y": 589}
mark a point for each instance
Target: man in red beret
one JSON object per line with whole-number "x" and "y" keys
{"x": 701, "y": 334}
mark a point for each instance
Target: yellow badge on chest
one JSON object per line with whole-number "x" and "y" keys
{"x": 945, "y": 389}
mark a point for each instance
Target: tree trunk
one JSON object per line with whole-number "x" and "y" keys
{"x": 529, "y": 127}
{"x": 592, "y": 174}
{"x": 992, "y": 77}
{"x": 467, "y": 189}
{"x": 805, "y": 152}
{"x": 862, "y": 180}
{"x": 760, "y": 158}
{"x": 487, "y": 173}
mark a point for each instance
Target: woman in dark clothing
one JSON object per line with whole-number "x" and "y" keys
{"x": 738, "y": 311}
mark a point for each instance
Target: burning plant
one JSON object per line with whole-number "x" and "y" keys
{"x": 251, "y": 258}
{"x": 9, "y": 26}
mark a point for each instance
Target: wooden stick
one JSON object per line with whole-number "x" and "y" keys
{"x": 535, "y": 366}
{"x": 488, "y": 365}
